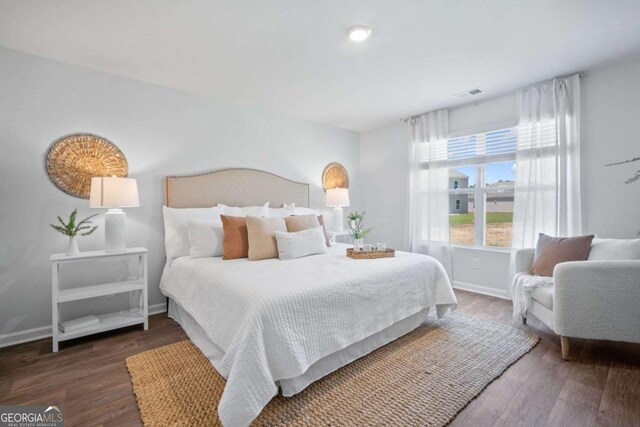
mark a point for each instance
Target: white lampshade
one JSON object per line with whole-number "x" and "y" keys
{"x": 113, "y": 192}
{"x": 337, "y": 197}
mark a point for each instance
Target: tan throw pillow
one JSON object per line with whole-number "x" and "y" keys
{"x": 262, "y": 236}
{"x": 304, "y": 222}
{"x": 301, "y": 222}
{"x": 235, "y": 241}
{"x": 551, "y": 251}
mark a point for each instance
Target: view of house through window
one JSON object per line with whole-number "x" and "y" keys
{"x": 499, "y": 188}
{"x": 461, "y": 205}
{"x": 481, "y": 188}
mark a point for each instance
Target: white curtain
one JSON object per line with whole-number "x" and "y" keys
{"x": 547, "y": 191}
{"x": 428, "y": 213}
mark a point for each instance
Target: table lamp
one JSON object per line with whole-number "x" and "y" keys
{"x": 114, "y": 193}
{"x": 337, "y": 198}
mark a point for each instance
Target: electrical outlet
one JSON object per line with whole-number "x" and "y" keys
{"x": 475, "y": 263}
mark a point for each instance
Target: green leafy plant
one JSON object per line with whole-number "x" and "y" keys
{"x": 71, "y": 229}
{"x": 355, "y": 223}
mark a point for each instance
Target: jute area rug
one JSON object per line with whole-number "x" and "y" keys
{"x": 422, "y": 379}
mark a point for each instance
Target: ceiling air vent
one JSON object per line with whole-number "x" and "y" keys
{"x": 468, "y": 93}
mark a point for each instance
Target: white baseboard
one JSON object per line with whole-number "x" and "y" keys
{"x": 25, "y": 336}
{"x": 20, "y": 337}
{"x": 158, "y": 308}
{"x": 484, "y": 290}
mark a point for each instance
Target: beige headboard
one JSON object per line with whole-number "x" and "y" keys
{"x": 233, "y": 187}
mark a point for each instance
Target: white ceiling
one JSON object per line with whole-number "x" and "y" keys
{"x": 292, "y": 56}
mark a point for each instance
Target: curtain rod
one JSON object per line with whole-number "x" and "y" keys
{"x": 580, "y": 74}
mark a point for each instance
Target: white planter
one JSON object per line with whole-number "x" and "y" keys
{"x": 72, "y": 247}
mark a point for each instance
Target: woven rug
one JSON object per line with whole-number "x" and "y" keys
{"x": 422, "y": 379}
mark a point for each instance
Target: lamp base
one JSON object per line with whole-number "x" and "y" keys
{"x": 337, "y": 219}
{"x": 115, "y": 232}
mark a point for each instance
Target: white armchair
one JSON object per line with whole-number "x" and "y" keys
{"x": 588, "y": 299}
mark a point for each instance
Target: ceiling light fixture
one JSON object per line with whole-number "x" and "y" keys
{"x": 359, "y": 33}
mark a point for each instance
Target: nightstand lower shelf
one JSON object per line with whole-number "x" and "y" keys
{"x": 107, "y": 322}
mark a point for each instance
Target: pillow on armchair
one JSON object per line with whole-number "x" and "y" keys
{"x": 614, "y": 249}
{"x": 551, "y": 251}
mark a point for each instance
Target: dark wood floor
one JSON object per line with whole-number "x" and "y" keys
{"x": 600, "y": 386}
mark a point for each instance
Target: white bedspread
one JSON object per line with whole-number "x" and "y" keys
{"x": 273, "y": 319}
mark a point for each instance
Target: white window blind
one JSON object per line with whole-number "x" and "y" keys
{"x": 487, "y": 147}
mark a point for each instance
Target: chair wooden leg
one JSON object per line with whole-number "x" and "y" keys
{"x": 564, "y": 346}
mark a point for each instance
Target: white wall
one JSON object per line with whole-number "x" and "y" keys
{"x": 160, "y": 131}
{"x": 610, "y": 111}
{"x": 383, "y": 167}
{"x": 610, "y": 123}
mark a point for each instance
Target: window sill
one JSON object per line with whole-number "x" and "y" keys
{"x": 482, "y": 248}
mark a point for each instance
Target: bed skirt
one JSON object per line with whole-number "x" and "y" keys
{"x": 319, "y": 369}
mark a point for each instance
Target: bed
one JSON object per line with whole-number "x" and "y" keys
{"x": 275, "y": 325}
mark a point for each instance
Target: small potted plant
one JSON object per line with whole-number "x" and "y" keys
{"x": 357, "y": 230}
{"x": 71, "y": 230}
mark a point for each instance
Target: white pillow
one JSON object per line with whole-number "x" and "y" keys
{"x": 614, "y": 249}
{"x": 176, "y": 236}
{"x": 205, "y": 239}
{"x": 301, "y": 243}
{"x": 301, "y": 211}
{"x": 250, "y": 210}
{"x": 282, "y": 212}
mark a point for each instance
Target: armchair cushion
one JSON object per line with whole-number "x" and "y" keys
{"x": 544, "y": 295}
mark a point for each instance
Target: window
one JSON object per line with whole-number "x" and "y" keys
{"x": 482, "y": 173}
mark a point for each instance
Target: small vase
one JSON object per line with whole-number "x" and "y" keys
{"x": 72, "y": 247}
{"x": 357, "y": 243}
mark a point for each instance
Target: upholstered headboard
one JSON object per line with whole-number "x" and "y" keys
{"x": 233, "y": 187}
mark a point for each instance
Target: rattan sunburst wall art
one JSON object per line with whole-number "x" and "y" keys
{"x": 74, "y": 159}
{"x": 335, "y": 175}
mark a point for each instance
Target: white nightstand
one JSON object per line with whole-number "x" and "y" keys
{"x": 334, "y": 234}
{"x": 107, "y": 321}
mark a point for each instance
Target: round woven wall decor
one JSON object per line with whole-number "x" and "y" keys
{"x": 74, "y": 159}
{"x": 335, "y": 175}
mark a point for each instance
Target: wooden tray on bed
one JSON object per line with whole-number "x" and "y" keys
{"x": 387, "y": 253}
